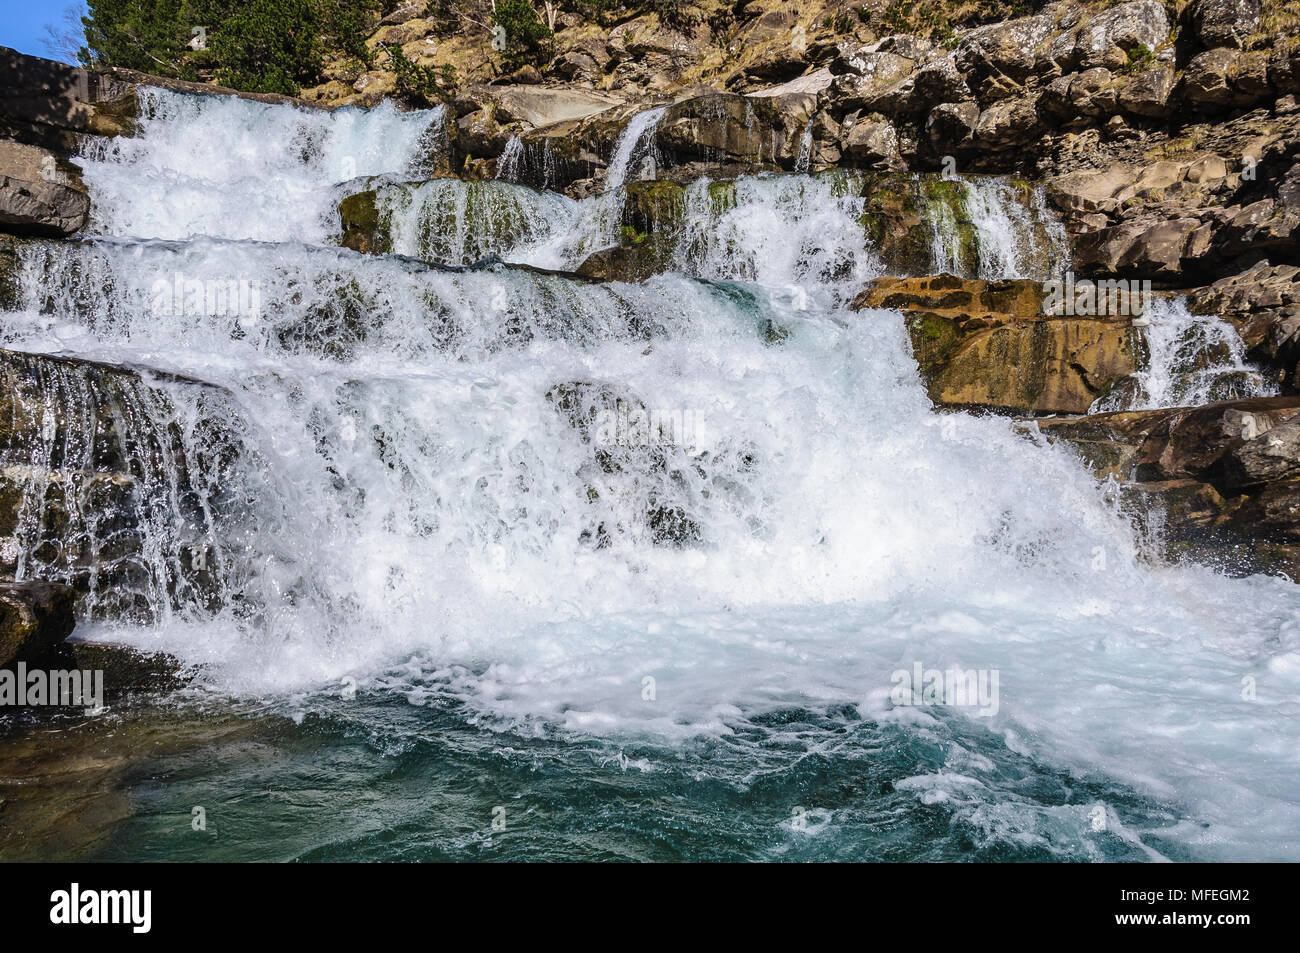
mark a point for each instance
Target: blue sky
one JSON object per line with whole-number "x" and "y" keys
{"x": 22, "y": 23}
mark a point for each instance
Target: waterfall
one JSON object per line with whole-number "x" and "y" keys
{"x": 1190, "y": 360}
{"x": 804, "y": 159}
{"x": 508, "y": 164}
{"x": 510, "y": 497}
{"x": 458, "y": 223}
{"x": 632, "y": 147}
{"x": 1011, "y": 238}
{"x": 229, "y": 168}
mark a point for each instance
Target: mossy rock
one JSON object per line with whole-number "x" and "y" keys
{"x": 362, "y": 227}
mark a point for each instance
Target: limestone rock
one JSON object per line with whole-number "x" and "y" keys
{"x": 39, "y": 195}
{"x": 989, "y": 344}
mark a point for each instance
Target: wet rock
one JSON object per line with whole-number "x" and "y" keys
{"x": 110, "y": 486}
{"x": 990, "y": 344}
{"x": 127, "y": 670}
{"x": 362, "y": 228}
{"x": 1223, "y": 478}
{"x": 39, "y": 193}
{"x": 635, "y": 459}
{"x": 35, "y": 618}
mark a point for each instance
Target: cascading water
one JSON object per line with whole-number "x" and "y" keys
{"x": 999, "y": 223}
{"x": 632, "y": 147}
{"x": 1191, "y": 360}
{"x": 460, "y": 511}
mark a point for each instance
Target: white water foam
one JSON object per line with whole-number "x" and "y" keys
{"x": 224, "y": 167}
{"x": 1191, "y": 360}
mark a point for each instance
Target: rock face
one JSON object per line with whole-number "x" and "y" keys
{"x": 1224, "y": 479}
{"x": 983, "y": 344}
{"x": 48, "y": 104}
{"x": 35, "y": 618}
{"x": 102, "y": 489}
{"x": 1263, "y": 302}
{"x": 39, "y": 195}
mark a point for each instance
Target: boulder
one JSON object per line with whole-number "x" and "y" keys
{"x": 1007, "y": 124}
{"x": 1224, "y": 23}
{"x": 46, "y": 103}
{"x": 35, "y": 618}
{"x": 537, "y": 106}
{"x": 951, "y": 126}
{"x": 39, "y": 193}
{"x": 990, "y": 345}
{"x": 871, "y": 142}
{"x": 1223, "y": 77}
{"x": 1148, "y": 94}
{"x": 1014, "y": 49}
{"x": 1155, "y": 250}
{"x": 1115, "y": 37}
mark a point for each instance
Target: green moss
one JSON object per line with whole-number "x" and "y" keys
{"x": 362, "y": 229}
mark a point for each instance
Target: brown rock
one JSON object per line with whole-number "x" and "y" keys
{"x": 989, "y": 344}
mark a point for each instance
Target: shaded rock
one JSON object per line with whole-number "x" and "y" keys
{"x": 35, "y": 618}
{"x": 39, "y": 194}
{"x": 1230, "y": 23}
{"x": 1263, "y": 303}
{"x": 951, "y": 126}
{"x": 46, "y": 103}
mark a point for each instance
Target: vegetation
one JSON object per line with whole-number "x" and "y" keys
{"x": 420, "y": 85}
{"x": 524, "y": 28}
{"x": 272, "y": 46}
